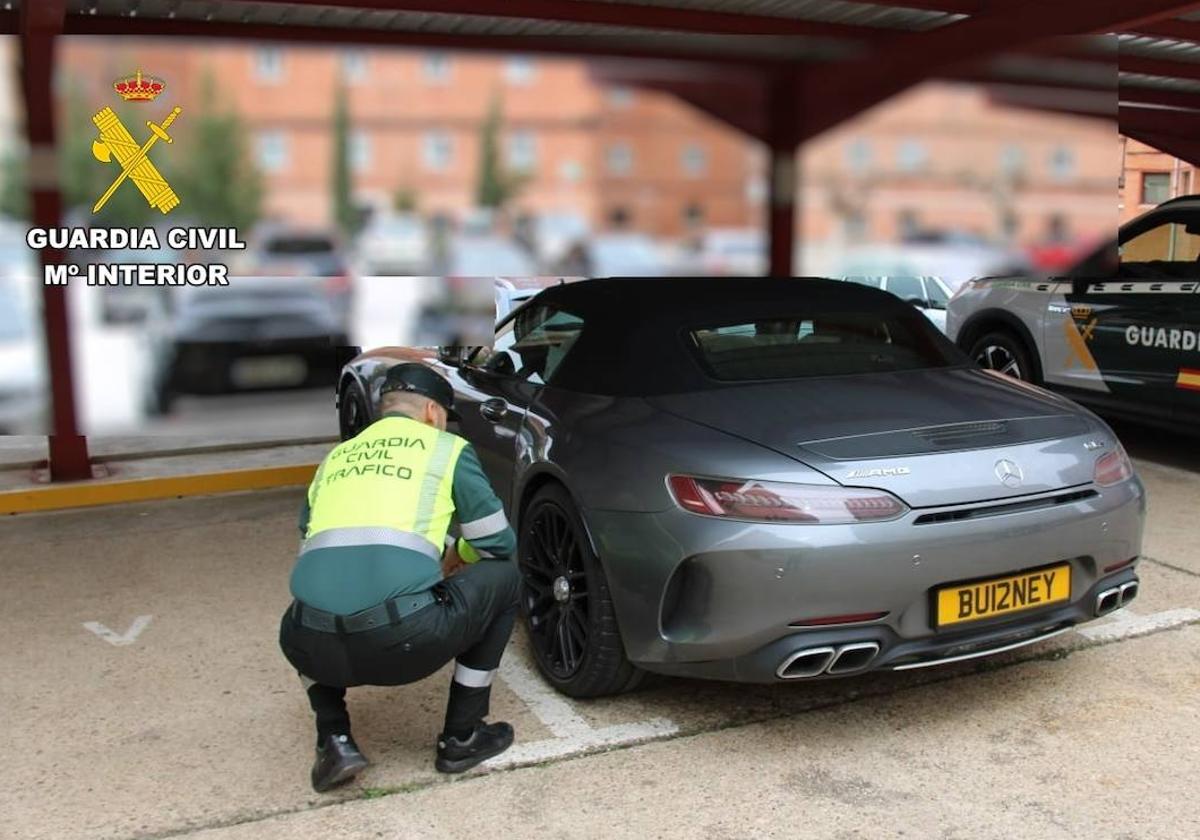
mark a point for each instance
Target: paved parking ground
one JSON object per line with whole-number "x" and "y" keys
{"x": 144, "y": 696}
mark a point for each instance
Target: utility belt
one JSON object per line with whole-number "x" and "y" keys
{"x": 391, "y": 611}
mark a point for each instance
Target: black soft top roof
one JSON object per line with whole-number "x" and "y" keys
{"x": 633, "y": 342}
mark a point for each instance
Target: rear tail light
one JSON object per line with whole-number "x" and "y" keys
{"x": 1113, "y": 468}
{"x": 777, "y": 501}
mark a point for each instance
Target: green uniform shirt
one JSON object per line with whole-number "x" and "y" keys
{"x": 347, "y": 579}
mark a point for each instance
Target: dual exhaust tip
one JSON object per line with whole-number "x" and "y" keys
{"x": 812, "y": 662}
{"x": 856, "y": 656}
{"x": 1116, "y": 597}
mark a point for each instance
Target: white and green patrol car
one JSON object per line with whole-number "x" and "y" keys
{"x": 1126, "y": 345}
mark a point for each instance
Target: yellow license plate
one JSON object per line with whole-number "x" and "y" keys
{"x": 989, "y": 598}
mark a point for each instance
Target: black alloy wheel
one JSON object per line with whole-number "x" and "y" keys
{"x": 566, "y": 602}
{"x": 1005, "y": 353}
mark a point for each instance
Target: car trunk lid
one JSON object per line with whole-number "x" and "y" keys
{"x": 933, "y": 437}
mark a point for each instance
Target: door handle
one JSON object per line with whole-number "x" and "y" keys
{"x": 493, "y": 410}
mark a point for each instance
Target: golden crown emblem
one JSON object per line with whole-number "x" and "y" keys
{"x": 139, "y": 88}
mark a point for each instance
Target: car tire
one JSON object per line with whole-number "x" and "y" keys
{"x": 1004, "y": 351}
{"x": 352, "y": 411}
{"x": 566, "y": 602}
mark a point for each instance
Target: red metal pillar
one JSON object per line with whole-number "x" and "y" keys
{"x": 41, "y": 23}
{"x": 782, "y": 124}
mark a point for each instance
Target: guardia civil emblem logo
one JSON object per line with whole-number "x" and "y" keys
{"x": 116, "y": 143}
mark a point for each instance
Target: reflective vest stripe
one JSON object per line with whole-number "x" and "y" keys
{"x": 444, "y": 448}
{"x": 485, "y": 526}
{"x": 341, "y": 537}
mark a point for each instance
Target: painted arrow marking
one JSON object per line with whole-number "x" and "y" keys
{"x": 119, "y": 639}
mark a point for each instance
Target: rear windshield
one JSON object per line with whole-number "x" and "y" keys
{"x": 821, "y": 344}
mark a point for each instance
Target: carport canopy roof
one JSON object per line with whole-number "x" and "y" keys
{"x": 743, "y": 61}
{"x": 818, "y": 62}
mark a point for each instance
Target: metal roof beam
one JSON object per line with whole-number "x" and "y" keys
{"x": 1159, "y": 67}
{"x": 638, "y": 16}
{"x": 836, "y": 91}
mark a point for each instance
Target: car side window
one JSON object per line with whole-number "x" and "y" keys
{"x": 532, "y": 345}
{"x": 935, "y": 294}
{"x": 1173, "y": 242}
{"x": 906, "y": 288}
{"x": 544, "y": 336}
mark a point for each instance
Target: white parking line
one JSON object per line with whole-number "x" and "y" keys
{"x": 1126, "y": 623}
{"x": 119, "y": 639}
{"x": 572, "y": 734}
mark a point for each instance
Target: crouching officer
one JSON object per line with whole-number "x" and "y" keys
{"x": 371, "y": 604}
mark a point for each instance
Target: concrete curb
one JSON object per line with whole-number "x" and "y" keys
{"x": 111, "y": 492}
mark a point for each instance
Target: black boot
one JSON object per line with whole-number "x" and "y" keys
{"x": 485, "y": 741}
{"x": 338, "y": 761}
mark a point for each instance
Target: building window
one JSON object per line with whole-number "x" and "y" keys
{"x": 268, "y": 65}
{"x": 522, "y": 151}
{"x": 858, "y": 155}
{"x": 619, "y": 159}
{"x": 271, "y": 149}
{"x": 519, "y": 70}
{"x": 1062, "y": 163}
{"x": 437, "y": 150}
{"x": 1156, "y": 187}
{"x": 693, "y": 159}
{"x": 1012, "y": 160}
{"x": 354, "y": 66}
{"x": 619, "y": 217}
{"x": 911, "y": 156}
{"x": 436, "y": 68}
{"x": 570, "y": 171}
{"x": 359, "y": 151}
{"x": 620, "y": 97}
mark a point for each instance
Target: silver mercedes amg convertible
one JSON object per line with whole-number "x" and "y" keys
{"x": 770, "y": 480}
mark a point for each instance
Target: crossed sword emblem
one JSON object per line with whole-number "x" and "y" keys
{"x": 116, "y": 141}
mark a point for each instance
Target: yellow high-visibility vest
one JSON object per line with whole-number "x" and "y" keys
{"x": 390, "y": 485}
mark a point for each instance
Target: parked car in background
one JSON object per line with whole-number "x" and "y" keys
{"x": 257, "y": 333}
{"x": 396, "y": 244}
{"x": 553, "y": 234}
{"x": 1119, "y": 332}
{"x": 24, "y": 400}
{"x": 313, "y": 254}
{"x": 511, "y": 292}
{"x": 133, "y": 304}
{"x": 613, "y": 255}
{"x": 488, "y": 256}
{"x": 953, "y": 260}
{"x": 928, "y": 294}
{"x": 736, "y": 252}
{"x": 734, "y": 509}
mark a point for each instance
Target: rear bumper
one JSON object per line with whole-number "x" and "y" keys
{"x": 883, "y": 649}
{"x": 710, "y": 598}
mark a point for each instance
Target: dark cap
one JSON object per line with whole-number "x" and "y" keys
{"x": 419, "y": 379}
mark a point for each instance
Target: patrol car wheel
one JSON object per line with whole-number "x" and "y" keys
{"x": 1003, "y": 352}
{"x": 352, "y": 411}
{"x": 566, "y": 601}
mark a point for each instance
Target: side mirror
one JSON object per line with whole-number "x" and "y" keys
{"x": 452, "y": 356}
{"x": 920, "y": 303}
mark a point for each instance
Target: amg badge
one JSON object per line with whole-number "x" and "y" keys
{"x": 878, "y": 472}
